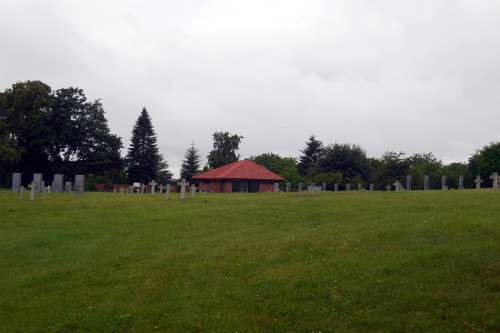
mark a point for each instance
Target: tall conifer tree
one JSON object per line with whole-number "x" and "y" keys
{"x": 191, "y": 163}
{"x": 310, "y": 154}
{"x": 143, "y": 158}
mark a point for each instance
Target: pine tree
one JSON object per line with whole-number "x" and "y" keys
{"x": 191, "y": 163}
{"x": 143, "y": 159}
{"x": 310, "y": 154}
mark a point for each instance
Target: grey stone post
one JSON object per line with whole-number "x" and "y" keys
{"x": 21, "y": 193}
{"x": 193, "y": 190}
{"x": 323, "y": 187}
{"x": 57, "y": 184}
{"x": 426, "y": 182}
{"x": 167, "y": 193}
{"x": 388, "y": 187}
{"x": 461, "y": 182}
{"x": 288, "y": 187}
{"x": 301, "y": 187}
{"x": 33, "y": 191}
{"x": 360, "y": 187}
{"x": 79, "y": 184}
{"x": 336, "y": 187}
{"x": 37, "y": 180}
{"x": 372, "y": 187}
{"x": 276, "y": 187}
{"x": 443, "y": 183}
{"x": 408, "y": 182}
{"x": 67, "y": 186}
{"x": 183, "y": 188}
{"x": 161, "y": 188}
{"x": 16, "y": 181}
{"x": 478, "y": 182}
{"x": 43, "y": 189}
{"x": 348, "y": 187}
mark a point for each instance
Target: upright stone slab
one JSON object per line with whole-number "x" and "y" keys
{"x": 57, "y": 183}
{"x": 397, "y": 186}
{"x": 443, "y": 183}
{"x": 408, "y": 182}
{"x": 360, "y": 187}
{"x": 336, "y": 187}
{"x": 161, "y": 188}
{"x": 323, "y": 187}
{"x": 183, "y": 188}
{"x": 43, "y": 189}
{"x": 276, "y": 187}
{"x": 33, "y": 191}
{"x": 426, "y": 182}
{"x": 153, "y": 186}
{"x": 301, "y": 187}
{"x": 79, "y": 184}
{"x": 288, "y": 187}
{"x": 167, "y": 192}
{"x": 21, "y": 193}
{"x": 495, "y": 181}
{"x": 461, "y": 182}
{"x": 37, "y": 180}
{"x": 193, "y": 190}
{"x": 16, "y": 181}
{"x": 67, "y": 186}
{"x": 372, "y": 187}
{"x": 388, "y": 187}
{"x": 478, "y": 182}
{"x": 347, "y": 187}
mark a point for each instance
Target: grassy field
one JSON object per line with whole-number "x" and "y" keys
{"x": 276, "y": 262}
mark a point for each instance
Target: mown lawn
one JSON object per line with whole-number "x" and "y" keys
{"x": 318, "y": 262}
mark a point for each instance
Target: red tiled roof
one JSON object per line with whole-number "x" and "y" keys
{"x": 244, "y": 170}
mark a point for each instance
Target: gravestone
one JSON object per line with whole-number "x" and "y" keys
{"x": 408, "y": 182}
{"x": 161, "y": 188}
{"x": 142, "y": 188}
{"x": 21, "y": 193}
{"x": 193, "y": 190}
{"x": 301, "y": 187}
{"x": 388, "y": 187}
{"x": 276, "y": 187}
{"x": 347, "y": 187}
{"x": 33, "y": 190}
{"x": 79, "y": 184}
{"x": 478, "y": 182}
{"x": 426, "y": 182}
{"x": 167, "y": 192}
{"x": 114, "y": 190}
{"x": 288, "y": 187}
{"x": 360, "y": 187}
{"x": 461, "y": 182}
{"x": 67, "y": 186}
{"x": 37, "y": 180}
{"x": 323, "y": 187}
{"x": 43, "y": 189}
{"x": 372, "y": 187}
{"x": 443, "y": 183}
{"x": 336, "y": 187}
{"x": 183, "y": 188}
{"x": 495, "y": 181}
{"x": 153, "y": 186}
{"x": 57, "y": 183}
{"x": 49, "y": 189}
{"x": 16, "y": 181}
{"x": 397, "y": 186}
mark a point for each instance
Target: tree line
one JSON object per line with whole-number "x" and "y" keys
{"x": 60, "y": 131}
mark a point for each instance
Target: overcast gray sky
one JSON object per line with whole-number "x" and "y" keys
{"x": 416, "y": 76}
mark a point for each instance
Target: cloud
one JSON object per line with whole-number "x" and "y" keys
{"x": 417, "y": 76}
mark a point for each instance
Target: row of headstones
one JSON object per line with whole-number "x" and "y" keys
{"x": 183, "y": 184}
{"x": 38, "y": 184}
{"x": 398, "y": 186}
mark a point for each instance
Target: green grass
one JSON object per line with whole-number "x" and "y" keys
{"x": 329, "y": 262}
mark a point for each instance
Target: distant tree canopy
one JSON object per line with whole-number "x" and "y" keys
{"x": 144, "y": 162}
{"x": 60, "y": 131}
{"x": 283, "y": 166}
{"x": 191, "y": 163}
{"x": 486, "y": 161}
{"x": 224, "y": 150}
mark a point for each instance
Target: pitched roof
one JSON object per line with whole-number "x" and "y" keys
{"x": 244, "y": 170}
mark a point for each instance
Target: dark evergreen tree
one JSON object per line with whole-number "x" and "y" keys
{"x": 310, "y": 155}
{"x": 143, "y": 158}
{"x": 191, "y": 163}
{"x": 225, "y": 147}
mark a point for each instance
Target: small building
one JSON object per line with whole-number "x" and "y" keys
{"x": 239, "y": 176}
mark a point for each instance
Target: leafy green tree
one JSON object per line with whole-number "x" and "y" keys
{"x": 346, "y": 159}
{"x": 486, "y": 161}
{"x": 310, "y": 155}
{"x": 453, "y": 172}
{"x": 286, "y": 167}
{"x": 191, "y": 163}
{"x": 390, "y": 167}
{"x": 425, "y": 164}
{"x": 224, "y": 149}
{"x": 143, "y": 158}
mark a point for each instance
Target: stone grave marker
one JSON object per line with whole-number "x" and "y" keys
{"x": 67, "y": 186}
{"x": 37, "y": 180}
{"x": 161, "y": 188}
{"x": 397, "y": 186}
{"x": 43, "y": 189}
{"x": 360, "y": 187}
{"x": 183, "y": 188}
{"x": 21, "y": 193}
{"x": 478, "y": 182}
{"x": 426, "y": 182}
{"x": 301, "y": 187}
{"x": 167, "y": 192}
{"x": 323, "y": 187}
{"x": 408, "y": 182}
{"x": 388, "y": 187}
{"x": 276, "y": 187}
{"x": 33, "y": 191}
{"x": 461, "y": 182}
{"x": 153, "y": 186}
{"x": 348, "y": 187}
{"x": 142, "y": 188}
{"x": 496, "y": 181}
{"x": 193, "y": 190}
{"x": 288, "y": 187}
{"x": 443, "y": 183}
{"x": 372, "y": 187}
{"x": 79, "y": 184}
{"x": 336, "y": 187}
{"x": 57, "y": 183}
{"x": 16, "y": 181}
